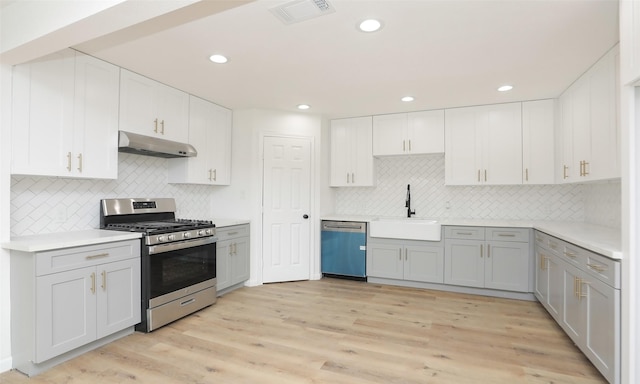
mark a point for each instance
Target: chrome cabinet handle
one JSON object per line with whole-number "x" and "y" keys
{"x": 69, "y": 161}
{"x": 80, "y": 162}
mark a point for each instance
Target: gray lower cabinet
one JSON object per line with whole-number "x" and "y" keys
{"x": 405, "y": 260}
{"x": 65, "y": 300}
{"x": 581, "y": 291}
{"x": 495, "y": 258}
{"x": 232, "y": 257}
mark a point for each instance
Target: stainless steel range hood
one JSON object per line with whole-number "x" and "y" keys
{"x": 152, "y": 146}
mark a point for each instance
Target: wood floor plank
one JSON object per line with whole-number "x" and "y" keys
{"x": 340, "y": 331}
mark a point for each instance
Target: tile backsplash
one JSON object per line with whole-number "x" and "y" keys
{"x": 432, "y": 199}
{"x": 49, "y": 204}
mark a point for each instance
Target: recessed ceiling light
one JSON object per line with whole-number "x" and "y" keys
{"x": 407, "y": 98}
{"x": 369, "y": 25}
{"x": 218, "y": 59}
{"x": 303, "y": 106}
{"x": 505, "y": 88}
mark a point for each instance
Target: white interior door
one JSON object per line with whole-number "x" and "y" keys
{"x": 286, "y": 203}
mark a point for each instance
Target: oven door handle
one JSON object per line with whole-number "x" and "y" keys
{"x": 154, "y": 249}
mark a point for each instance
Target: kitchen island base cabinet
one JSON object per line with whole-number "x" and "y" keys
{"x": 66, "y": 302}
{"x": 232, "y": 257}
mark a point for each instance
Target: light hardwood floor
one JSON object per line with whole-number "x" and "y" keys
{"x": 339, "y": 331}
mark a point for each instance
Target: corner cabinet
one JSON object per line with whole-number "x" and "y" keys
{"x": 589, "y": 127}
{"x": 351, "y": 152}
{"x": 150, "y": 108}
{"x": 483, "y": 145}
{"x": 495, "y": 258}
{"x": 412, "y": 133}
{"x": 581, "y": 291}
{"x": 67, "y": 301}
{"x": 232, "y": 257}
{"x": 538, "y": 144}
{"x": 65, "y": 117}
{"x": 210, "y": 134}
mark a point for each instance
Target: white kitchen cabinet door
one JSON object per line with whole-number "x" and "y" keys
{"x": 630, "y": 41}
{"x": 424, "y": 263}
{"x": 385, "y": 261}
{"x": 414, "y": 133}
{"x": 66, "y": 312}
{"x": 118, "y": 296}
{"x": 604, "y": 131}
{"x": 351, "y": 152}
{"x": 150, "y": 108}
{"x": 565, "y": 173}
{"x": 538, "y": 130}
{"x": 425, "y": 132}
{"x": 581, "y": 128}
{"x": 95, "y": 149}
{"x": 390, "y": 134}
{"x": 462, "y": 155}
{"x": 502, "y": 145}
{"x": 484, "y": 145}
{"x": 507, "y": 266}
{"x": 464, "y": 263}
{"x": 210, "y": 134}
{"x": 42, "y": 113}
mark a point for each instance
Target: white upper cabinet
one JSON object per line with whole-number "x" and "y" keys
{"x": 538, "y": 141}
{"x": 150, "y": 108}
{"x": 210, "y": 134}
{"x": 629, "y": 41}
{"x": 65, "y": 117}
{"x": 408, "y": 133}
{"x": 484, "y": 145}
{"x": 351, "y": 152}
{"x": 589, "y": 127}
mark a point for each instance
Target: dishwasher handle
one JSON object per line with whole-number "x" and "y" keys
{"x": 344, "y": 226}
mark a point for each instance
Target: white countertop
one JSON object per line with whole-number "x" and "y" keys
{"x": 603, "y": 240}
{"x": 221, "y": 223}
{"x": 49, "y": 241}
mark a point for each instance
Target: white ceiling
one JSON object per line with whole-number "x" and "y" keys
{"x": 444, "y": 53}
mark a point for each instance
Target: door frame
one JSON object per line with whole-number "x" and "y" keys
{"x": 314, "y": 227}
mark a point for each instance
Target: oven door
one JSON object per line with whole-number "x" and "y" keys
{"x": 180, "y": 268}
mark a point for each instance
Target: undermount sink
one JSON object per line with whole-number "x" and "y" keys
{"x": 405, "y": 228}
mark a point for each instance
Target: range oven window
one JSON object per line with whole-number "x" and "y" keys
{"x": 172, "y": 271}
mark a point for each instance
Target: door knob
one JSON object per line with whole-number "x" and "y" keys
{"x": 305, "y": 216}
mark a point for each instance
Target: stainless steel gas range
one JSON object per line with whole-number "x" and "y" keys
{"x": 178, "y": 257}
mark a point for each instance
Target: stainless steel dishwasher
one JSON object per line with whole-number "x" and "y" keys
{"x": 343, "y": 249}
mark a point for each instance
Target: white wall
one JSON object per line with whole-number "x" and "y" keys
{"x": 243, "y": 199}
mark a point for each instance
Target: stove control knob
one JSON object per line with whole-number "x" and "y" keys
{"x": 208, "y": 232}
{"x": 171, "y": 237}
{"x": 161, "y": 239}
{"x": 187, "y": 235}
{"x": 201, "y": 233}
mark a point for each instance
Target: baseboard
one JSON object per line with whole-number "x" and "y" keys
{"x": 5, "y": 364}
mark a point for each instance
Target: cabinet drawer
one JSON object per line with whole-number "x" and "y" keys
{"x": 603, "y": 268}
{"x": 555, "y": 245}
{"x": 508, "y": 234}
{"x": 79, "y": 257}
{"x": 541, "y": 239}
{"x": 574, "y": 255}
{"x": 232, "y": 232}
{"x": 469, "y": 233}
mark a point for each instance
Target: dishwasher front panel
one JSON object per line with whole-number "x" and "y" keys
{"x": 343, "y": 248}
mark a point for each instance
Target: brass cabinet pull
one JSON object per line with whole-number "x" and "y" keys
{"x": 481, "y": 249}
{"x": 353, "y": 177}
{"x": 488, "y": 251}
{"x": 162, "y": 124}
{"x": 597, "y": 267}
{"x": 485, "y": 175}
{"x": 575, "y": 286}
{"x": 506, "y": 235}
{"x": 409, "y": 145}
{"x": 98, "y": 256}
{"x": 69, "y": 161}
{"x": 570, "y": 254}
{"x": 581, "y": 168}
{"x": 404, "y": 148}
{"x": 400, "y": 254}
{"x": 464, "y": 233}
{"x": 347, "y": 177}
{"x": 215, "y": 174}
{"x": 586, "y": 164}
{"x": 526, "y": 174}
{"x": 406, "y": 254}
{"x": 104, "y": 280}
{"x": 580, "y": 282}
{"x": 210, "y": 175}
{"x": 478, "y": 175}
{"x": 80, "y": 162}
{"x": 543, "y": 263}
{"x": 564, "y": 172}
{"x": 93, "y": 282}
{"x": 155, "y": 125}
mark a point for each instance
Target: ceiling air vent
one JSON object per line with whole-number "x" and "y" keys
{"x": 300, "y": 10}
